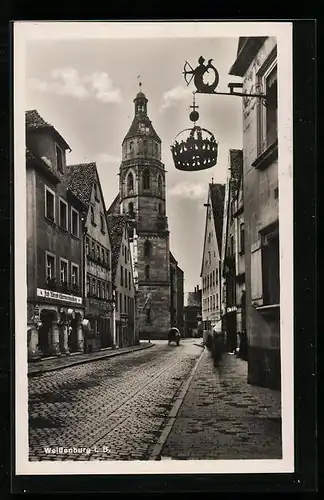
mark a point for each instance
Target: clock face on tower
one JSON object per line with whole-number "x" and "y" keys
{"x": 143, "y": 128}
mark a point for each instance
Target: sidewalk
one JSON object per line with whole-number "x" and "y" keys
{"x": 223, "y": 417}
{"x": 56, "y": 363}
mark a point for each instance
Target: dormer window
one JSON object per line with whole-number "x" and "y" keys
{"x": 59, "y": 159}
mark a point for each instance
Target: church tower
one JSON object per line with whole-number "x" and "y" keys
{"x": 142, "y": 193}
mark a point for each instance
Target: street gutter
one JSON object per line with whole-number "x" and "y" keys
{"x": 34, "y": 370}
{"x": 157, "y": 450}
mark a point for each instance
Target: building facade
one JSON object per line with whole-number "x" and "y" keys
{"x": 233, "y": 255}
{"x": 123, "y": 280}
{"x": 176, "y": 293}
{"x": 256, "y": 63}
{"x": 192, "y": 314}
{"x": 211, "y": 260}
{"x": 142, "y": 195}
{"x": 55, "y": 306}
{"x": 83, "y": 180}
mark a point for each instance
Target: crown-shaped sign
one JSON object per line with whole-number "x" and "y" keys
{"x": 197, "y": 150}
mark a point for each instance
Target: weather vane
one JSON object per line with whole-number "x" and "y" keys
{"x": 202, "y": 87}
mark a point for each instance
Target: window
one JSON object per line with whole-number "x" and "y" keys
{"x": 126, "y": 254}
{"x": 98, "y": 288}
{"x": 217, "y": 300}
{"x": 103, "y": 255}
{"x": 93, "y": 249}
{"x": 87, "y": 245}
{"x": 159, "y": 185}
{"x": 129, "y": 280}
{"x": 268, "y": 120}
{"x": 125, "y": 304}
{"x": 209, "y": 257}
{"x": 49, "y": 204}
{"x": 156, "y": 149}
{"x": 59, "y": 159}
{"x": 63, "y": 214}
{"x": 242, "y": 237}
{"x": 93, "y": 287}
{"x": 92, "y": 214}
{"x": 74, "y": 222}
{"x": 116, "y": 301}
{"x": 214, "y": 277}
{"x": 50, "y": 267}
{"x": 160, "y": 208}
{"x": 131, "y": 208}
{"x": 88, "y": 284}
{"x": 148, "y": 316}
{"x": 121, "y": 276}
{"x": 147, "y": 249}
{"x": 130, "y": 183}
{"x": 74, "y": 274}
{"x": 131, "y": 146}
{"x": 108, "y": 259}
{"x": 63, "y": 271}
{"x": 95, "y": 187}
{"x": 125, "y": 278}
{"x": 147, "y": 272}
{"x": 270, "y": 268}
{"x": 146, "y": 179}
{"x": 98, "y": 252}
{"x": 102, "y": 223}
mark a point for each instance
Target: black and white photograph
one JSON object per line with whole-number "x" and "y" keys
{"x": 153, "y": 173}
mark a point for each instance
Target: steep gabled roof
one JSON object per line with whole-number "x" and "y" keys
{"x": 80, "y": 179}
{"x": 116, "y": 225}
{"x": 217, "y": 196}
{"x": 115, "y": 206}
{"x": 34, "y": 121}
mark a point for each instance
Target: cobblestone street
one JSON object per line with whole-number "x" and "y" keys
{"x": 113, "y": 408}
{"x": 224, "y": 417}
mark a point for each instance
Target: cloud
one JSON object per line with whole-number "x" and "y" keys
{"x": 187, "y": 189}
{"x": 174, "y": 95}
{"x": 67, "y": 81}
{"x": 107, "y": 158}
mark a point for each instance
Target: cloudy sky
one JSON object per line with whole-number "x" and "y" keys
{"x": 85, "y": 88}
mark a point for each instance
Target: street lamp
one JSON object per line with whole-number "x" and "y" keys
{"x": 198, "y": 150}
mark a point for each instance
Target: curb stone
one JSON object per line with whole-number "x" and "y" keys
{"x": 157, "y": 450}
{"x": 109, "y": 354}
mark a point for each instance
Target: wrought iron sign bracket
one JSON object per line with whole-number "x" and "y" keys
{"x": 198, "y": 73}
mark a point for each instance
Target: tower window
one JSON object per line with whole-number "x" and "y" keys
{"x": 131, "y": 208}
{"x": 146, "y": 179}
{"x": 159, "y": 185}
{"x": 147, "y": 249}
{"x": 130, "y": 182}
{"x": 147, "y": 272}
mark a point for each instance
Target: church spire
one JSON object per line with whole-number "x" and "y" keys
{"x": 140, "y": 102}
